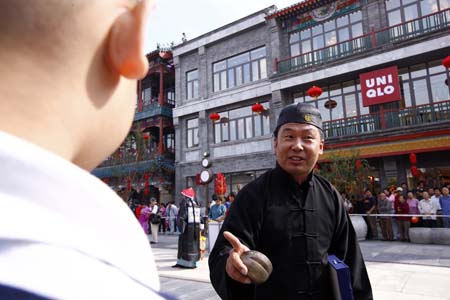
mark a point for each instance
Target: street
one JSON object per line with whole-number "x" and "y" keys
{"x": 397, "y": 270}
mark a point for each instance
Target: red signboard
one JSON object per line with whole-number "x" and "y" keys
{"x": 380, "y": 86}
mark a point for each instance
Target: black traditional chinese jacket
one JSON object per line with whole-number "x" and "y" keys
{"x": 296, "y": 226}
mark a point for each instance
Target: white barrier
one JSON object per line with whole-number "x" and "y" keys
{"x": 213, "y": 232}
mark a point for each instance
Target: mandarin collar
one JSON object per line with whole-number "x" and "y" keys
{"x": 287, "y": 178}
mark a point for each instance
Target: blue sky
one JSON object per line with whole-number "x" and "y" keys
{"x": 170, "y": 18}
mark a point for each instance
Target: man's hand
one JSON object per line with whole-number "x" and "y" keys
{"x": 235, "y": 267}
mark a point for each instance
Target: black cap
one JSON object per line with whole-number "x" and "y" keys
{"x": 299, "y": 113}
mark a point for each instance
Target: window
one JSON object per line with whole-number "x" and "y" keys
{"x": 348, "y": 101}
{"x": 424, "y": 84}
{"x": 401, "y": 11}
{"x": 241, "y": 123}
{"x": 327, "y": 34}
{"x": 240, "y": 69}
{"x": 192, "y": 84}
{"x": 192, "y": 133}
{"x": 146, "y": 94}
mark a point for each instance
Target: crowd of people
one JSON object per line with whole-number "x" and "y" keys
{"x": 428, "y": 207}
{"x": 155, "y": 217}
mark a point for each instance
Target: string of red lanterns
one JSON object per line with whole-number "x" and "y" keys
{"x": 146, "y": 186}
{"x": 413, "y": 160}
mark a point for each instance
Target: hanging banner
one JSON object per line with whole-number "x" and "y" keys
{"x": 380, "y": 86}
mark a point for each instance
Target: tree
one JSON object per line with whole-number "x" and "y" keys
{"x": 349, "y": 173}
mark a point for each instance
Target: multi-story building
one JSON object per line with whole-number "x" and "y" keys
{"x": 145, "y": 161}
{"x": 385, "y": 92}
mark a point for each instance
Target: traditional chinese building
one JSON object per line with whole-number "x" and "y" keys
{"x": 145, "y": 161}
{"x": 384, "y": 92}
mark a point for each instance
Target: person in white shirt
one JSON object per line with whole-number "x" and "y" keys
{"x": 67, "y": 99}
{"x": 155, "y": 220}
{"x": 427, "y": 207}
{"x": 172, "y": 213}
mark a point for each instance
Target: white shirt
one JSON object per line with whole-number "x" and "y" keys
{"x": 64, "y": 234}
{"x": 436, "y": 202}
{"x": 427, "y": 207}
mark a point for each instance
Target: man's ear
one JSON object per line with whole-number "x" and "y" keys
{"x": 126, "y": 42}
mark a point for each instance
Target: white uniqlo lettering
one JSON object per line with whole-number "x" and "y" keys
{"x": 379, "y": 91}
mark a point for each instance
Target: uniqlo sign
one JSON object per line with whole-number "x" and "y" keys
{"x": 380, "y": 86}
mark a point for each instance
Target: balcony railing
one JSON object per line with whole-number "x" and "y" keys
{"x": 132, "y": 158}
{"x": 401, "y": 32}
{"x": 387, "y": 119}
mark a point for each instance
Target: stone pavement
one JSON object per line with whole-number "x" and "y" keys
{"x": 397, "y": 271}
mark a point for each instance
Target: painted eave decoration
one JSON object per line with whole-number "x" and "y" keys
{"x": 296, "y": 8}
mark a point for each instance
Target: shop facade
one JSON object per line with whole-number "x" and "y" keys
{"x": 385, "y": 92}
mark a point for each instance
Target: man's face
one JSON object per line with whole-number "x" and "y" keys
{"x": 437, "y": 192}
{"x": 382, "y": 196}
{"x": 445, "y": 191}
{"x": 297, "y": 148}
{"x": 218, "y": 202}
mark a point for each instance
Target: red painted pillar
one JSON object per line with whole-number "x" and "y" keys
{"x": 161, "y": 137}
{"x": 161, "y": 85}
{"x": 140, "y": 101}
{"x": 382, "y": 117}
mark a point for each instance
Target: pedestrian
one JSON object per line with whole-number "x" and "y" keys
{"x": 293, "y": 216}
{"x": 444, "y": 201}
{"x": 163, "y": 225}
{"x": 391, "y": 198}
{"x": 384, "y": 207}
{"x": 189, "y": 223}
{"x": 155, "y": 220}
{"x": 428, "y": 208}
{"x": 435, "y": 198}
{"x": 217, "y": 211}
{"x": 347, "y": 203}
{"x": 172, "y": 213}
{"x": 144, "y": 215}
{"x": 370, "y": 207}
{"x": 413, "y": 208}
{"x": 402, "y": 208}
{"x": 68, "y": 69}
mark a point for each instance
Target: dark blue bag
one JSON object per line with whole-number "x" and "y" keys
{"x": 340, "y": 279}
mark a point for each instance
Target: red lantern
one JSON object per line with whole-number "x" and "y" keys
{"x": 146, "y": 135}
{"x": 129, "y": 183}
{"x": 146, "y": 189}
{"x": 414, "y": 171}
{"x": 413, "y": 159}
{"x": 414, "y": 220}
{"x": 220, "y": 185}
{"x": 446, "y": 62}
{"x": 214, "y": 117}
{"x": 358, "y": 164}
{"x": 257, "y": 108}
{"x": 314, "y": 92}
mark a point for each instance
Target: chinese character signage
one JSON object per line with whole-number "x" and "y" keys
{"x": 380, "y": 86}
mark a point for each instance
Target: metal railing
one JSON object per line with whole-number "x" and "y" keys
{"x": 398, "y": 33}
{"x": 387, "y": 119}
{"x": 129, "y": 158}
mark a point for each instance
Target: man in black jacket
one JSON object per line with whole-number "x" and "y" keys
{"x": 294, "y": 217}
